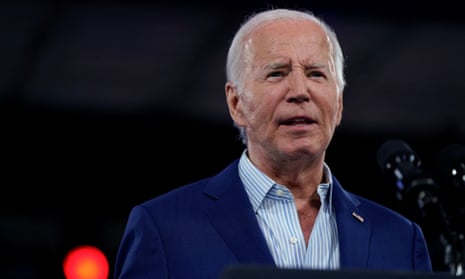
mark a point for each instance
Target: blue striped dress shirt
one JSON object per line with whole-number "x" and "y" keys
{"x": 277, "y": 216}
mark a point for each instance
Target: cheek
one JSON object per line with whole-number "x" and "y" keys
{"x": 251, "y": 111}
{"x": 331, "y": 111}
{"x": 260, "y": 108}
{"x": 250, "y": 104}
{"x": 256, "y": 114}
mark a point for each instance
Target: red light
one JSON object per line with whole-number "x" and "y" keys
{"x": 86, "y": 262}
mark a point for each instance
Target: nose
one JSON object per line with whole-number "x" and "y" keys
{"x": 298, "y": 88}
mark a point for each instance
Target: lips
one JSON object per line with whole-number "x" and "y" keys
{"x": 298, "y": 121}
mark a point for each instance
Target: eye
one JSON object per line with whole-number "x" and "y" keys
{"x": 275, "y": 75}
{"x": 316, "y": 74}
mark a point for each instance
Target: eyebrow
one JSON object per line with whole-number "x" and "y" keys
{"x": 277, "y": 65}
{"x": 316, "y": 66}
{"x": 281, "y": 65}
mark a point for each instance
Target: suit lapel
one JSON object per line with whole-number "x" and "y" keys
{"x": 232, "y": 215}
{"x": 354, "y": 229}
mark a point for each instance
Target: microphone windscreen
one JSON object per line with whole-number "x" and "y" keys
{"x": 390, "y": 149}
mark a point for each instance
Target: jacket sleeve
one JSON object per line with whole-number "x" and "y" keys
{"x": 140, "y": 254}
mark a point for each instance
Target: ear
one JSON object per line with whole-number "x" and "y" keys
{"x": 234, "y": 103}
{"x": 340, "y": 108}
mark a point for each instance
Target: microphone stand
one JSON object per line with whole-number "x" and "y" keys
{"x": 421, "y": 191}
{"x": 450, "y": 167}
{"x": 452, "y": 242}
{"x": 454, "y": 256}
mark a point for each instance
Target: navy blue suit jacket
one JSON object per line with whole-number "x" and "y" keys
{"x": 195, "y": 231}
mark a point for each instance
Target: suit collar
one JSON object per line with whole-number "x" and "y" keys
{"x": 232, "y": 215}
{"x": 354, "y": 229}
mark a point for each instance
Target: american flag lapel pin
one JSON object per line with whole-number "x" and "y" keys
{"x": 358, "y": 217}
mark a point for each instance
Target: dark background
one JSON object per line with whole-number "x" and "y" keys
{"x": 105, "y": 104}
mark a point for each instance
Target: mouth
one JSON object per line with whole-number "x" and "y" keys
{"x": 294, "y": 121}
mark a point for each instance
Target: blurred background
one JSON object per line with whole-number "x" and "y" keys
{"x": 105, "y": 104}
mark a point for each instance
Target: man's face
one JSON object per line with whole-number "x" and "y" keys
{"x": 290, "y": 104}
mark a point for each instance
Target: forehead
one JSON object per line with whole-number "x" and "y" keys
{"x": 285, "y": 34}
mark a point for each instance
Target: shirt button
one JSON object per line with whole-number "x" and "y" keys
{"x": 279, "y": 192}
{"x": 293, "y": 240}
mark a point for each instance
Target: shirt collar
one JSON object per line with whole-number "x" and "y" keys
{"x": 258, "y": 185}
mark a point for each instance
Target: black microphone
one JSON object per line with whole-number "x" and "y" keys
{"x": 417, "y": 187}
{"x": 398, "y": 160}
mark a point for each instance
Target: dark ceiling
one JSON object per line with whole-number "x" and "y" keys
{"x": 107, "y": 103}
